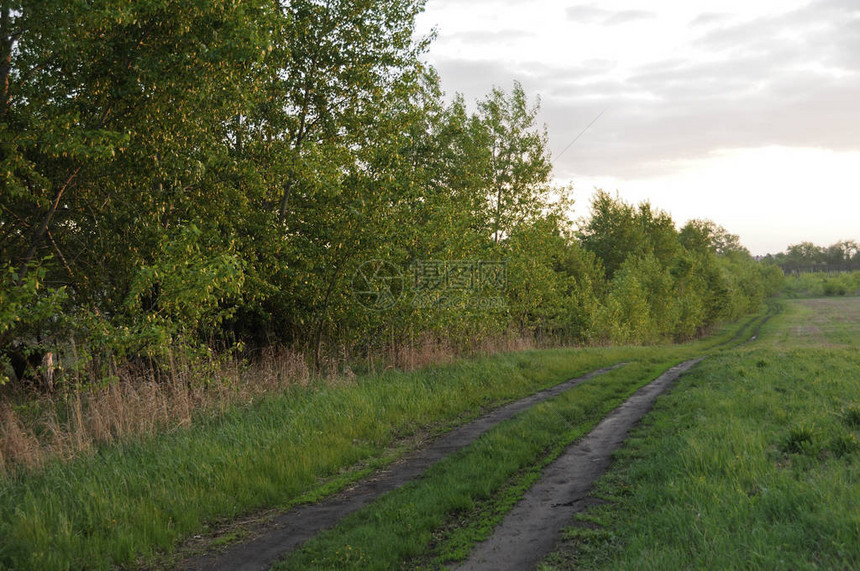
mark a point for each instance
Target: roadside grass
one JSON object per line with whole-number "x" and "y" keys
{"x": 126, "y": 502}
{"x": 752, "y": 461}
{"x": 134, "y": 502}
{"x": 437, "y": 519}
{"x": 410, "y": 522}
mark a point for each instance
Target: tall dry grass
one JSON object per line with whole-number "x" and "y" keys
{"x": 142, "y": 400}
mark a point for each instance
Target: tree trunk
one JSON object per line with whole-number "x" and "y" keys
{"x": 6, "y": 42}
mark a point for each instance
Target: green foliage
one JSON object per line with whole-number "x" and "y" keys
{"x": 28, "y": 311}
{"x": 808, "y": 257}
{"x": 519, "y": 166}
{"x": 668, "y": 284}
{"x": 818, "y": 284}
{"x": 195, "y": 174}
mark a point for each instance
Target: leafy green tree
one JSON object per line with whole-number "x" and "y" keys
{"x": 707, "y": 236}
{"x": 520, "y": 164}
{"x": 337, "y": 102}
{"x": 117, "y": 140}
{"x": 612, "y": 232}
{"x": 617, "y": 230}
{"x": 842, "y": 252}
{"x": 805, "y": 253}
{"x": 536, "y": 289}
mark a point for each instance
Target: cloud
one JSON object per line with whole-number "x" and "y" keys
{"x": 639, "y": 136}
{"x": 788, "y": 79}
{"x": 591, "y": 14}
{"x": 475, "y": 78}
{"x": 587, "y": 14}
{"x": 710, "y": 18}
{"x": 626, "y": 16}
{"x": 791, "y": 79}
{"x": 490, "y": 36}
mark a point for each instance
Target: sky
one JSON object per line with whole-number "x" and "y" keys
{"x": 743, "y": 112}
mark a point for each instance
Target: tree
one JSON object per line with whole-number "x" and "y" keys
{"x": 611, "y": 232}
{"x": 338, "y": 60}
{"x": 617, "y": 230}
{"x": 842, "y": 252}
{"x": 519, "y": 162}
{"x": 805, "y": 253}
{"x": 706, "y": 235}
{"x": 117, "y": 139}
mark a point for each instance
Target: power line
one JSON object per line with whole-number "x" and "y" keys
{"x": 581, "y": 133}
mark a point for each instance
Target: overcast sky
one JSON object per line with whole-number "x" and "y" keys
{"x": 746, "y": 112}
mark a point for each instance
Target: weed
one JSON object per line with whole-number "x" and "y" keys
{"x": 851, "y": 416}
{"x": 799, "y": 439}
{"x": 843, "y": 444}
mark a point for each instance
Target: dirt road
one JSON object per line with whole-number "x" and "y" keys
{"x": 289, "y": 530}
{"x": 530, "y": 530}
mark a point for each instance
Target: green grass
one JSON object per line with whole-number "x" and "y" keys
{"x": 404, "y": 523}
{"x": 817, "y": 284}
{"x": 134, "y": 503}
{"x": 439, "y": 518}
{"x": 752, "y": 461}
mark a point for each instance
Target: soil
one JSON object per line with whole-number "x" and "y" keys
{"x": 287, "y": 531}
{"x": 529, "y": 531}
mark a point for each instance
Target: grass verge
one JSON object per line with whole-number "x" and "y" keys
{"x": 408, "y": 526}
{"x": 128, "y": 501}
{"x": 752, "y": 461}
{"x": 133, "y": 501}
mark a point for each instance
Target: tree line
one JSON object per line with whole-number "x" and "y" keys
{"x": 201, "y": 176}
{"x": 808, "y": 257}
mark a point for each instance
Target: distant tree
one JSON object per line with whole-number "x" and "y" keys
{"x": 842, "y": 252}
{"x": 612, "y": 232}
{"x": 701, "y": 235}
{"x": 805, "y": 253}
{"x": 618, "y": 230}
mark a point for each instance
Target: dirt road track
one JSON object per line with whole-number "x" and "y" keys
{"x": 531, "y": 529}
{"x": 291, "y": 529}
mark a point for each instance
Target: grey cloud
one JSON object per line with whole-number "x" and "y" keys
{"x": 587, "y": 14}
{"x": 709, "y": 18}
{"x": 590, "y": 14}
{"x": 484, "y": 36}
{"x": 770, "y": 81}
{"x": 685, "y": 109}
{"x": 637, "y": 136}
{"x": 628, "y": 16}
{"x": 474, "y": 79}
{"x": 827, "y": 32}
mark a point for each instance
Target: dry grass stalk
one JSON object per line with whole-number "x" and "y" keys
{"x": 18, "y": 446}
{"x": 144, "y": 400}
{"x": 137, "y": 404}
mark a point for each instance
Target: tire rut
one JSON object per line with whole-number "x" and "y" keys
{"x": 289, "y": 530}
{"x": 530, "y": 530}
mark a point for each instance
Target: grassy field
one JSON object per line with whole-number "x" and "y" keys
{"x": 132, "y": 503}
{"x": 752, "y": 461}
{"x": 438, "y": 519}
{"x": 821, "y": 284}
